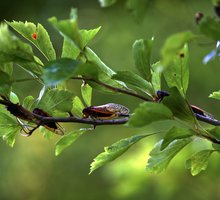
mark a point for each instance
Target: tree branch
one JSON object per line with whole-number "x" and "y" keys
{"x": 95, "y": 122}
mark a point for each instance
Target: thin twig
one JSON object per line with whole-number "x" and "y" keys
{"x": 113, "y": 88}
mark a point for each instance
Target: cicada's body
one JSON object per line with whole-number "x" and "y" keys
{"x": 106, "y": 111}
{"x": 199, "y": 111}
{"x": 51, "y": 126}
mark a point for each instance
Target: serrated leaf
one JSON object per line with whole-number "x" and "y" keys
{"x": 199, "y": 161}
{"x": 68, "y": 29}
{"x": 114, "y": 151}
{"x": 173, "y": 45}
{"x": 210, "y": 27}
{"x": 134, "y": 80}
{"x": 12, "y": 49}
{"x": 141, "y": 53}
{"x": 66, "y": 140}
{"x": 10, "y": 136}
{"x": 178, "y": 105}
{"x": 77, "y": 106}
{"x": 215, "y": 95}
{"x": 37, "y": 35}
{"x": 86, "y": 92}
{"x": 57, "y": 71}
{"x": 7, "y": 124}
{"x": 149, "y": 112}
{"x": 88, "y": 35}
{"x": 56, "y": 100}
{"x": 69, "y": 50}
{"x": 177, "y": 73}
{"x": 159, "y": 160}
{"x": 175, "y": 133}
{"x": 9, "y": 128}
{"x": 107, "y": 3}
{"x": 5, "y": 84}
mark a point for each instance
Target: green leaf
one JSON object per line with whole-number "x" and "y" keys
{"x": 5, "y": 84}
{"x": 28, "y": 102}
{"x": 68, "y": 29}
{"x": 69, "y": 50}
{"x": 177, "y": 73}
{"x": 86, "y": 92}
{"x": 97, "y": 70}
{"x": 10, "y": 136}
{"x": 173, "y": 46}
{"x": 216, "y": 133}
{"x": 9, "y": 128}
{"x": 141, "y": 53}
{"x": 7, "y": 124}
{"x": 66, "y": 140}
{"x": 71, "y": 33}
{"x": 12, "y": 49}
{"x": 199, "y": 161}
{"x": 14, "y": 98}
{"x": 59, "y": 70}
{"x": 178, "y": 105}
{"x": 93, "y": 58}
{"x": 134, "y": 80}
{"x": 107, "y": 3}
{"x": 159, "y": 160}
{"x": 77, "y": 106}
{"x": 148, "y": 112}
{"x": 88, "y": 35}
{"x": 175, "y": 133}
{"x": 33, "y": 68}
{"x": 56, "y": 100}
{"x": 138, "y": 8}
{"x": 215, "y": 95}
{"x": 7, "y": 68}
{"x": 156, "y": 76}
{"x": 114, "y": 151}
{"x": 47, "y": 134}
{"x": 210, "y": 27}
{"x": 37, "y": 35}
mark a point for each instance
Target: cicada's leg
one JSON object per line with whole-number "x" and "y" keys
{"x": 26, "y": 129}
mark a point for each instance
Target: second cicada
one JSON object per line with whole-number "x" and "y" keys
{"x": 106, "y": 111}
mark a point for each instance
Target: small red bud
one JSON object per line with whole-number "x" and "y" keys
{"x": 34, "y": 36}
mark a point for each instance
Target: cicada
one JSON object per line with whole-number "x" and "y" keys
{"x": 106, "y": 111}
{"x": 51, "y": 126}
{"x": 160, "y": 95}
{"x": 199, "y": 111}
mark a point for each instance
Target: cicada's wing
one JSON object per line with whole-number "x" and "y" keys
{"x": 54, "y": 127}
{"x": 202, "y": 112}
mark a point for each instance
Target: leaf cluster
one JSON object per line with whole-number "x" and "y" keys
{"x": 79, "y": 62}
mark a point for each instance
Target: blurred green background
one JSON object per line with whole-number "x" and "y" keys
{"x": 31, "y": 171}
